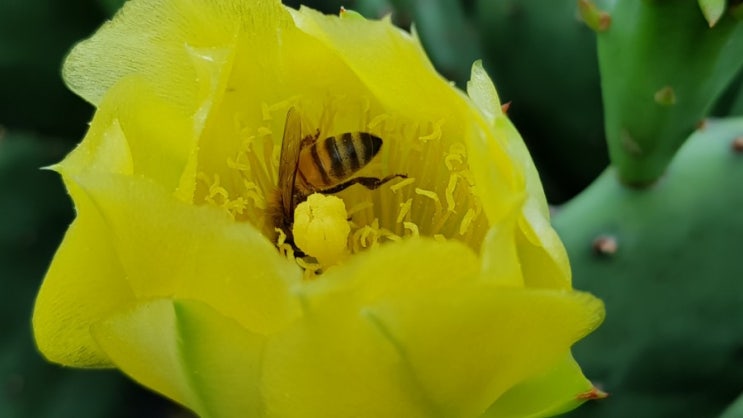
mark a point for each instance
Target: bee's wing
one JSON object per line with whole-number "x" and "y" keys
{"x": 289, "y": 159}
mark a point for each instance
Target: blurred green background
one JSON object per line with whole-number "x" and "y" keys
{"x": 543, "y": 60}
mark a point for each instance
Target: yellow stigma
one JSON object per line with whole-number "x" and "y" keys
{"x": 321, "y": 228}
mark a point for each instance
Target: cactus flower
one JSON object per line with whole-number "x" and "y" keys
{"x": 442, "y": 293}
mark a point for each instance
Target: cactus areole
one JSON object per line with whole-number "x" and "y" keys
{"x": 662, "y": 68}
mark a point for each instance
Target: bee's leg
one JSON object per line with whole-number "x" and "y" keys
{"x": 309, "y": 139}
{"x": 370, "y": 183}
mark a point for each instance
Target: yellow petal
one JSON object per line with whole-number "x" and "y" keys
{"x": 469, "y": 345}
{"x": 501, "y": 263}
{"x": 347, "y": 366}
{"x": 136, "y": 133}
{"x": 545, "y": 262}
{"x": 378, "y": 64}
{"x": 189, "y": 353}
{"x": 133, "y": 43}
{"x": 401, "y": 268}
{"x": 561, "y": 389}
{"x": 335, "y": 363}
{"x": 168, "y": 248}
{"x": 85, "y": 282}
{"x": 415, "y": 328}
{"x": 542, "y": 254}
{"x": 481, "y": 90}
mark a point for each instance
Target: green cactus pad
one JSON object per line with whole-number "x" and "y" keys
{"x": 672, "y": 342}
{"x": 654, "y": 48}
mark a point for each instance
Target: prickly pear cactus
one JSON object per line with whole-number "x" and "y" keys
{"x": 668, "y": 263}
{"x": 659, "y": 235}
{"x": 662, "y": 67}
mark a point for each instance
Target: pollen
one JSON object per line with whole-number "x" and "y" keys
{"x": 433, "y": 195}
{"x": 437, "y": 199}
{"x": 321, "y": 228}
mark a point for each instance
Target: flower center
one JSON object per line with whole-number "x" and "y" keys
{"x": 434, "y": 197}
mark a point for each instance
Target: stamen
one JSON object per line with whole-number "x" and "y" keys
{"x": 404, "y": 210}
{"x": 455, "y": 158}
{"x": 400, "y": 184}
{"x": 413, "y": 228}
{"x": 217, "y": 190}
{"x": 253, "y": 192}
{"x": 218, "y": 196}
{"x": 436, "y": 134}
{"x": 368, "y": 236}
{"x": 390, "y": 235}
{"x": 449, "y": 195}
{"x": 311, "y": 270}
{"x": 369, "y": 231}
{"x": 466, "y": 221}
{"x": 234, "y": 164}
{"x": 280, "y": 237}
{"x": 235, "y": 206}
{"x": 407, "y": 207}
{"x": 431, "y": 195}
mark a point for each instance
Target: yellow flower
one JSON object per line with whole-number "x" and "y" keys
{"x": 451, "y": 296}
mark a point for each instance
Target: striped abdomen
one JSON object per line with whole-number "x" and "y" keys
{"x": 330, "y": 161}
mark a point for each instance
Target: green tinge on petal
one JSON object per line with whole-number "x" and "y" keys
{"x": 348, "y": 366}
{"x": 84, "y": 283}
{"x": 499, "y": 178}
{"x": 335, "y": 363}
{"x": 482, "y": 91}
{"x": 517, "y": 150}
{"x": 543, "y": 257}
{"x": 468, "y": 346}
{"x": 555, "y": 392}
{"x": 171, "y": 249}
{"x": 189, "y": 353}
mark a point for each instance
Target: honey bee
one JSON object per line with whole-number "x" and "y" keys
{"x": 308, "y": 166}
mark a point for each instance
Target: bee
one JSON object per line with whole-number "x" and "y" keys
{"x": 327, "y": 166}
